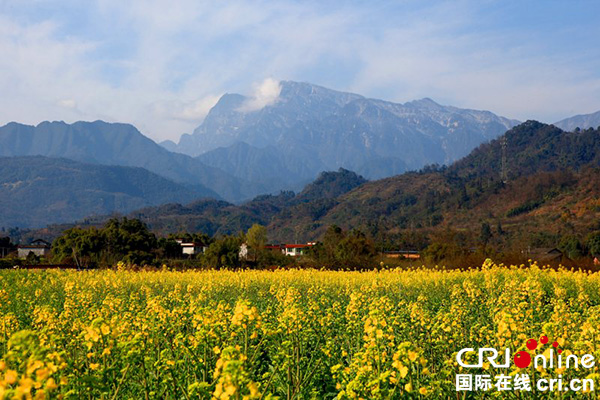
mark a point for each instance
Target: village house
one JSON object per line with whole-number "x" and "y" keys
{"x": 38, "y": 247}
{"x": 295, "y": 250}
{"x": 292, "y": 250}
{"x": 191, "y": 248}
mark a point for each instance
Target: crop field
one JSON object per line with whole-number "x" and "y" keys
{"x": 295, "y": 334}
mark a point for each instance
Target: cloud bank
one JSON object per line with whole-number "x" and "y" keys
{"x": 265, "y": 94}
{"x": 161, "y": 65}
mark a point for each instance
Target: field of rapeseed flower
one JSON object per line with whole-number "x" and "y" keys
{"x": 289, "y": 334}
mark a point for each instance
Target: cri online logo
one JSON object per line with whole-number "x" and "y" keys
{"x": 522, "y": 359}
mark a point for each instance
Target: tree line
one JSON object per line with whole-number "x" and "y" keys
{"x": 130, "y": 242}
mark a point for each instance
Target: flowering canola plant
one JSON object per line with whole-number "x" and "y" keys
{"x": 288, "y": 334}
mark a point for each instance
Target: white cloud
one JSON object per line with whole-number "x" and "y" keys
{"x": 192, "y": 111}
{"x": 67, "y": 103}
{"x": 197, "y": 110}
{"x": 160, "y": 64}
{"x": 265, "y": 94}
{"x": 496, "y": 70}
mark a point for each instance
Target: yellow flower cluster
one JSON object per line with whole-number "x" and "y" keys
{"x": 298, "y": 334}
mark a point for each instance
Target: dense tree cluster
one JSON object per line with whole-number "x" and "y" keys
{"x": 341, "y": 250}
{"x": 127, "y": 240}
{"x": 7, "y": 248}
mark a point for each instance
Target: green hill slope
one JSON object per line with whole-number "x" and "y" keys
{"x": 553, "y": 181}
{"x": 35, "y": 191}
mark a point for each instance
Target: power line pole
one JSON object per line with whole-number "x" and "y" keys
{"x": 503, "y": 172}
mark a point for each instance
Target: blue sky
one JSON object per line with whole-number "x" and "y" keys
{"x": 161, "y": 65}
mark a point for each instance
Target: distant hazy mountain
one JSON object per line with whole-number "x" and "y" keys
{"x": 36, "y": 191}
{"x": 584, "y": 121}
{"x": 268, "y": 166}
{"x": 169, "y": 145}
{"x": 118, "y": 144}
{"x": 310, "y": 129}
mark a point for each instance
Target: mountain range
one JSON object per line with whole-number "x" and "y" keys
{"x": 119, "y": 144}
{"x": 309, "y": 129}
{"x": 583, "y": 121}
{"x": 237, "y": 154}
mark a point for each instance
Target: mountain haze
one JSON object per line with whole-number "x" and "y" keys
{"x": 583, "y": 121}
{"x": 266, "y": 166}
{"x": 119, "y": 144}
{"x": 36, "y": 191}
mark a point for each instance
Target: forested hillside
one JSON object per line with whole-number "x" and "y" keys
{"x": 36, "y": 191}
